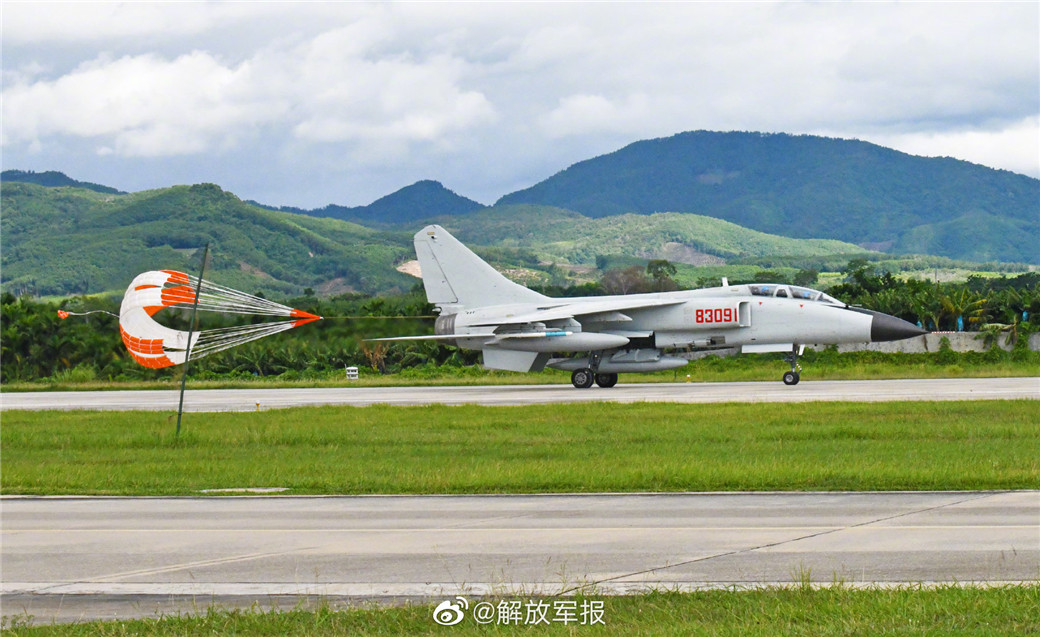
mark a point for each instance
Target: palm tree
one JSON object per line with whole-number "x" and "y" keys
{"x": 962, "y": 302}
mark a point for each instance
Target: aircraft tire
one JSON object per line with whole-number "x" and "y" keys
{"x": 791, "y": 378}
{"x": 582, "y": 378}
{"x": 606, "y": 381}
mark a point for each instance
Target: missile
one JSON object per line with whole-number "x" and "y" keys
{"x": 558, "y": 341}
{"x": 638, "y": 360}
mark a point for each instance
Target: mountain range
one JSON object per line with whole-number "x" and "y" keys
{"x": 422, "y": 200}
{"x": 696, "y": 198}
{"x": 806, "y": 186}
{"x": 796, "y": 186}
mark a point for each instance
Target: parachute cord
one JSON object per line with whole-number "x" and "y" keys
{"x": 65, "y": 313}
{"x": 400, "y": 318}
{"x": 232, "y": 310}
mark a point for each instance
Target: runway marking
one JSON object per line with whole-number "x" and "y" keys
{"x": 784, "y": 542}
{"x": 196, "y": 564}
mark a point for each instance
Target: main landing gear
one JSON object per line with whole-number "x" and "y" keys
{"x": 792, "y": 377}
{"x": 584, "y": 378}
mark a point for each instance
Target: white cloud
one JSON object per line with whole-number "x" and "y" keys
{"x": 590, "y": 114}
{"x": 326, "y": 90}
{"x": 50, "y": 23}
{"x": 485, "y": 96}
{"x": 1015, "y": 147}
{"x": 343, "y": 95}
{"x": 139, "y": 106}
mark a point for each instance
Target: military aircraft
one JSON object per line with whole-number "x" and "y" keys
{"x": 520, "y": 330}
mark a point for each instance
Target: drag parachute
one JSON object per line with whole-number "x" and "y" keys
{"x": 155, "y": 345}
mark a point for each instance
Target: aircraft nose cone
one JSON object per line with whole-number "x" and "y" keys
{"x": 889, "y": 328}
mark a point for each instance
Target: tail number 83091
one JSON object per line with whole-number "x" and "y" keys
{"x": 717, "y": 315}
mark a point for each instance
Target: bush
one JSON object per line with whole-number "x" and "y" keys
{"x": 945, "y": 355}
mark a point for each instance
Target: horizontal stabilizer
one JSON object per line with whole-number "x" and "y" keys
{"x": 513, "y": 361}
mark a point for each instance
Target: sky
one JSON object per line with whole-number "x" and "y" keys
{"x": 310, "y": 103}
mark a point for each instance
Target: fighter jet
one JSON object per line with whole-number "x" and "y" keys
{"x": 596, "y": 338}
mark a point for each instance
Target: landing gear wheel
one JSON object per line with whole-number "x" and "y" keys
{"x": 792, "y": 377}
{"x": 582, "y": 378}
{"x": 606, "y": 381}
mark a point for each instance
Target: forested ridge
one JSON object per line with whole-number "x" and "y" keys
{"x": 60, "y": 241}
{"x": 65, "y": 240}
{"x": 806, "y": 186}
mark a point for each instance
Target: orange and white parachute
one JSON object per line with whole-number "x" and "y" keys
{"x": 154, "y": 345}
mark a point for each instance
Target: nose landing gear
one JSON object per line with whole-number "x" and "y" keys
{"x": 792, "y": 377}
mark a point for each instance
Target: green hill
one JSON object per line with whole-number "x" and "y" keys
{"x": 60, "y": 241}
{"x": 564, "y": 236}
{"x": 421, "y": 200}
{"x": 64, "y": 240}
{"x": 53, "y": 178}
{"x": 804, "y": 186}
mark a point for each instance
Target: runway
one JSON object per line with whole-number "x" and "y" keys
{"x": 770, "y": 392}
{"x": 68, "y": 559}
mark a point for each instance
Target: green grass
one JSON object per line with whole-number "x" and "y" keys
{"x": 534, "y": 449}
{"x": 796, "y": 611}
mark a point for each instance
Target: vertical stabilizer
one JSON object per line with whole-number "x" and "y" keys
{"x": 454, "y": 276}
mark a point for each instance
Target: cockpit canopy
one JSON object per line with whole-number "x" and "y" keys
{"x": 791, "y": 292}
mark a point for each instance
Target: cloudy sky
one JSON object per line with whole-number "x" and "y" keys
{"x": 306, "y": 104}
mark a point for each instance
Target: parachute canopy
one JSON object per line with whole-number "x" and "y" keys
{"x": 155, "y": 345}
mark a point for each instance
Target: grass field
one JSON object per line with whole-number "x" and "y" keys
{"x": 788, "y": 611}
{"x": 533, "y": 449}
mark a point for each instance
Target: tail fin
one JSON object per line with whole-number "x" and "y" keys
{"x": 454, "y": 276}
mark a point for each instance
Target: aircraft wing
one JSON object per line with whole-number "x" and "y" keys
{"x": 610, "y": 309}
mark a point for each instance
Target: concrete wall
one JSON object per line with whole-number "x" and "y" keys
{"x": 959, "y": 342}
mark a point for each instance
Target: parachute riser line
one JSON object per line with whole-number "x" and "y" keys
{"x": 62, "y": 314}
{"x": 358, "y": 318}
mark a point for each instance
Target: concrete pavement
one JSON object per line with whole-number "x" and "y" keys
{"x": 66, "y": 559}
{"x": 772, "y": 392}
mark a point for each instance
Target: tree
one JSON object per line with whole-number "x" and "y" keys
{"x": 769, "y": 276}
{"x": 630, "y": 280}
{"x": 963, "y": 303}
{"x": 663, "y": 273}
{"x": 807, "y": 278}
